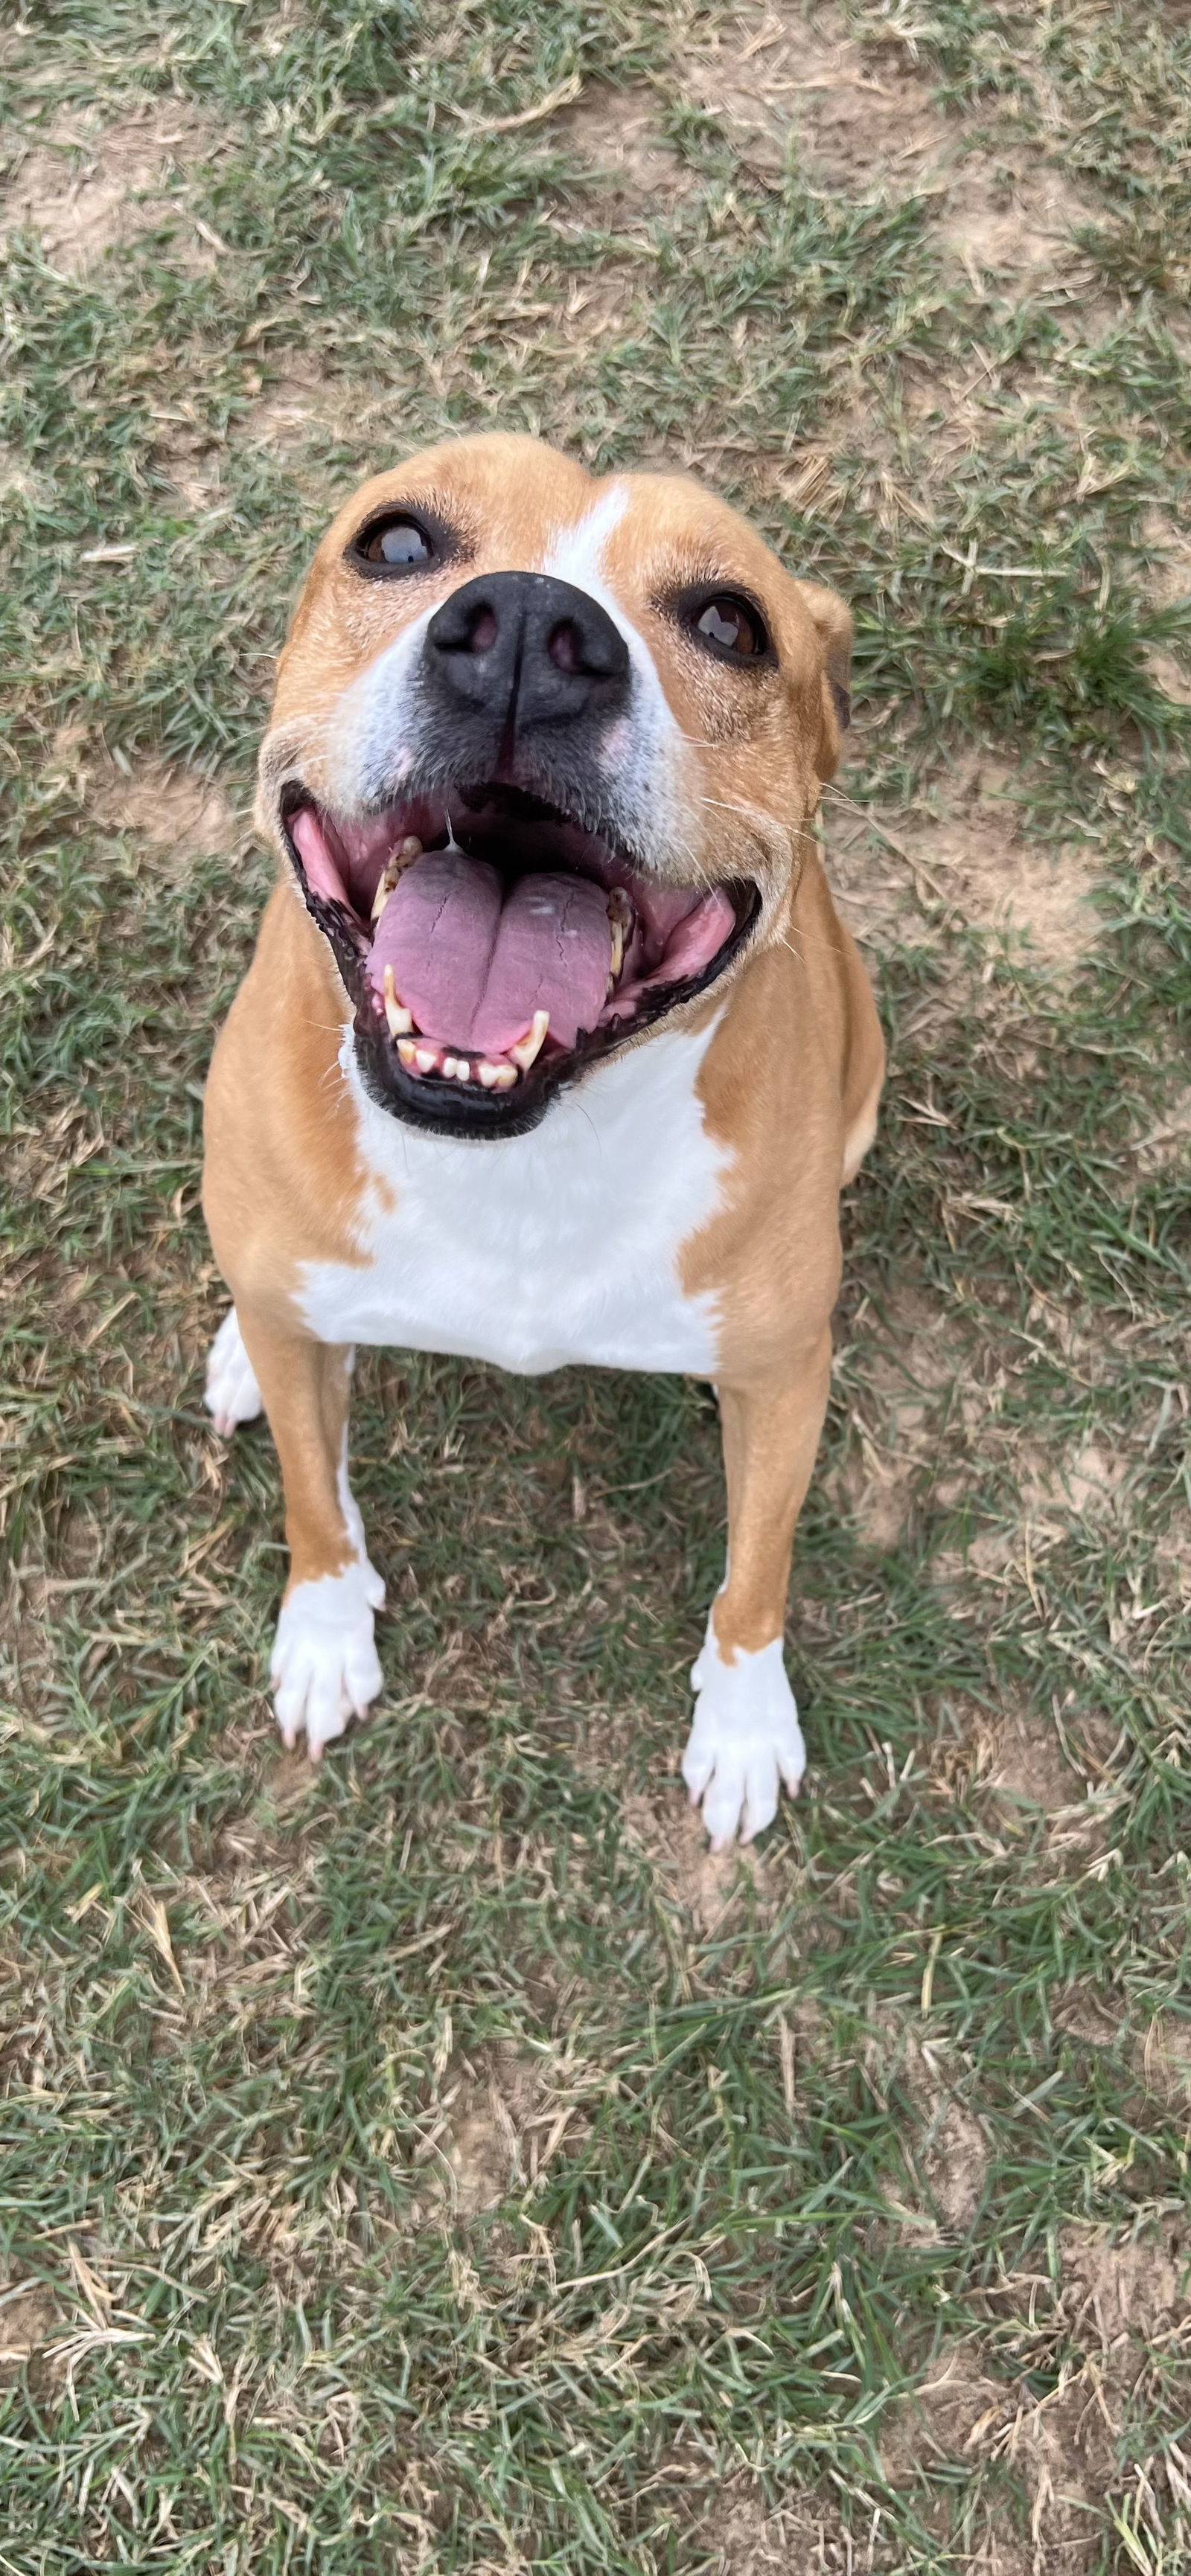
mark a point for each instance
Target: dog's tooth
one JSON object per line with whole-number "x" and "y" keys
{"x": 620, "y": 914}
{"x": 407, "y": 1052}
{"x": 488, "y": 1072}
{"x": 505, "y": 1077}
{"x": 426, "y": 1059}
{"x": 398, "y": 859}
{"x": 529, "y": 1048}
{"x": 400, "y": 1020}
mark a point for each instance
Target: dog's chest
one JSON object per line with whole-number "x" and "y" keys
{"x": 539, "y": 1250}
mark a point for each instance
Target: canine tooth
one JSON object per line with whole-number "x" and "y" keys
{"x": 384, "y": 887}
{"x": 400, "y": 1020}
{"x": 407, "y": 1052}
{"x": 425, "y": 1058}
{"x": 529, "y": 1048}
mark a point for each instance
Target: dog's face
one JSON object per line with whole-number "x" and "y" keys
{"x": 540, "y": 758}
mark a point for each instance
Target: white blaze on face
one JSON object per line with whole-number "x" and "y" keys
{"x": 643, "y": 750}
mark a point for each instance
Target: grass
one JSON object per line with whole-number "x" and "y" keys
{"x": 438, "y": 2164}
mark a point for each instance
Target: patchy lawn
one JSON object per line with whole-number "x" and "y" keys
{"x": 441, "y": 2163}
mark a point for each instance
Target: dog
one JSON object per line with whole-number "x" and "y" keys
{"x": 552, "y": 1049}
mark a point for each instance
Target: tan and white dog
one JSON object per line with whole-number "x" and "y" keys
{"x": 552, "y": 1049}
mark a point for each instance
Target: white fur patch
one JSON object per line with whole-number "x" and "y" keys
{"x": 537, "y": 1251}
{"x": 232, "y": 1394}
{"x": 370, "y": 736}
{"x": 324, "y": 1667}
{"x": 745, "y": 1740}
{"x": 647, "y": 747}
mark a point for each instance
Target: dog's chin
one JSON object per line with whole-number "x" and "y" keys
{"x": 496, "y": 949}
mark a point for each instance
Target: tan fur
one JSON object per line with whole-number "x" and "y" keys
{"x": 790, "y": 1081}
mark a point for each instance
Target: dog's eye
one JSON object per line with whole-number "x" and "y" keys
{"x": 399, "y": 543}
{"x": 732, "y": 626}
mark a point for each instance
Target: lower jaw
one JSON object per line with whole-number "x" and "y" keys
{"x": 460, "y": 1103}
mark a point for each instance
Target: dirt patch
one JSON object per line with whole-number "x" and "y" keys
{"x": 708, "y": 1886}
{"x": 86, "y": 194}
{"x": 1167, "y": 560}
{"x": 1118, "y": 2290}
{"x": 852, "y": 116}
{"x": 1169, "y": 675}
{"x": 914, "y": 1393}
{"x": 486, "y": 2117}
{"x": 983, "y": 868}
{"x": 961, "y": 857}
{"x": 495, "y": 2128}
{"x": 616, "y": 135}
{"x": 1166, "y": 1140}
{"x": 1166, "y": 2059}
{"x": 1119, "y": 2311}
{"x": 172, "y": 810}
{"x": 1002, "y": 221}
{"x": 1021, "y": 1761}
{"x": 28, "y": 2319}
{"x": 1087, "y": 1484}
{"x": 871, "y": 884}
{"x": 952, "y": 2148}
{"x": 802, "y": 2535}
{"x": 299, "y": 399}
{"x": 1021, "y": 1765}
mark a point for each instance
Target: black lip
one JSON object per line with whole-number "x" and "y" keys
{"x": 441, "y": 1108}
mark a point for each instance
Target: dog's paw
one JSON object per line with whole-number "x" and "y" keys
{"x": 324, "y": 1668}
{"x": 232, "y": 1393}
{"x": 745, "y": 1741}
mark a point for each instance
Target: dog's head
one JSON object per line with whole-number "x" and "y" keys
{"x": 541, "y": 755}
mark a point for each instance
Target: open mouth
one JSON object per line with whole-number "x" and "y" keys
{"x": 493, "y": 945}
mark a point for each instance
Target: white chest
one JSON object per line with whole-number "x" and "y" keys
{"x": 540, "y": 1250}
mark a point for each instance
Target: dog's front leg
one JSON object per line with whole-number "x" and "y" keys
{"x": 746, "y": 1739}
{"x": 324, "y": 1667}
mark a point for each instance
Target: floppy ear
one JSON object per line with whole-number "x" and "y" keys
{"x": 833, "y": 626}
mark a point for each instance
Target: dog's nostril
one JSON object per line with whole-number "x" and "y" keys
{"x": 482, "y": 631}
{"x": 564, "y": 646}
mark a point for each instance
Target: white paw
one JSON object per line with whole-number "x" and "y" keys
{"x": 324, "y": 1668}
{"x": 232, "y": 1392}
{"x": 744, "y": 1742}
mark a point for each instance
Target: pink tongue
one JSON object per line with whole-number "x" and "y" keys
{"x": 473, "y": 969}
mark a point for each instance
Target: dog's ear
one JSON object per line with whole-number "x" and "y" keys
{"x": 833, "y": 626}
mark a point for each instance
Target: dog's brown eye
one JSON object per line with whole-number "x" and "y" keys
{"x": 732, "y": 626}
{"x": 398, "y": 542}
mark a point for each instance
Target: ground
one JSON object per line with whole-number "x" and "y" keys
{"x": 440, "y": 2162}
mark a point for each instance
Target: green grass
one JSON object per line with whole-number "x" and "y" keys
{"x": 292, "y": 2280}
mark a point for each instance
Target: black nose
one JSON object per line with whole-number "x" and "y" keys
{"x": 526, "y": 650}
